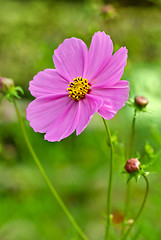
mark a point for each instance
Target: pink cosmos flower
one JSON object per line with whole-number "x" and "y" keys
{"x": 83, "y": 83}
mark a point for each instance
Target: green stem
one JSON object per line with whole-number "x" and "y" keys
{"x": 132, "y": 135}
{"x": 110, "y": 181}
{"x": 128, "y": 188}
{"x": 140, "y": 210}
{"x": 127, "y": 200}
{"x": 44, "y": 175}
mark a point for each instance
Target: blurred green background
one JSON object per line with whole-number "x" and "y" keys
{"x": 78, "y": 166}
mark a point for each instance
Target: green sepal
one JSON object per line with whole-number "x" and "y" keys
{"x": 12, "y": 93}
{"x": 136, "y": 175}
{"x": 19, "y": 89}
{"x": 131, "y": 103}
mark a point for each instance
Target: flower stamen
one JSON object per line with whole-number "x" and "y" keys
{"x": 79, "y": 88}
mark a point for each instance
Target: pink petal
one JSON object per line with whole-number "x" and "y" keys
{"x": 76, "y": 116}
{"x": 113, "y": 71}
{"x": 70, "y": 58}
{"x": 43, "y": 111}
{"x": 114, "y": 98}
{"x": 99, "y": 54}
{"x": 48, "y": 82}
{"x": 59, "y": 116}
{"x": 65, "y": 124}
{"x": 87, "y": 107}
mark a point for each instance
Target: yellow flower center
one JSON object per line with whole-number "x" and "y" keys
{"x": 79, "y": 88}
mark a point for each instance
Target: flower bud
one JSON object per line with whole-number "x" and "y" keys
{"x": 141, "y": 101}
{"x": 132, "y": 165}
{"x": 6, "y": 84}
{"x": 109, "y": 10}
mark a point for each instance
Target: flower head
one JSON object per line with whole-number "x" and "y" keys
{"x": 132, "y": 165}
{"x": 83, "y": 83}
{"x": 6, "y": 84}
{"x": 141, "y": 101}
{"x": 9, "y": 90}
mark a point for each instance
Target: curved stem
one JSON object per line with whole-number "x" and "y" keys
{"x": 127, "y": 200}
{"x": 140, "y": 210}
{"x": 44, "y": 175}
{"x": 110, "y": 181}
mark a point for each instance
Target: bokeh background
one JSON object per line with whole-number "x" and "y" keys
{"x": 78, "y": 166}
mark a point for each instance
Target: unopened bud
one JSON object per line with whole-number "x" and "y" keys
{"x": 141, "y": 101}
{"x": 107, "y": 8}
{"x": 6, "y": 84}
{"x": 132, "y": 165}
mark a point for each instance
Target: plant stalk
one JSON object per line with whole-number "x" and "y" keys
{"x": 131, "y": 146}
{"x": 45, "y": 177}
{"x": 140, "y": 210}
{"x": 107, "y": 232}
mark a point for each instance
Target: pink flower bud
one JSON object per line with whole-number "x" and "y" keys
{"x": 6, "y": 84}
{"x": 107, "y": 8}
{"x": 132, "y": 165}
{"x": 141, "y": 101}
